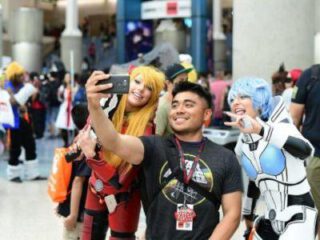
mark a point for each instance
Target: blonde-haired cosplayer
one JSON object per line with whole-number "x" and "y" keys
{"x": 113, "y": 181}
{"x": 138, "y": 121}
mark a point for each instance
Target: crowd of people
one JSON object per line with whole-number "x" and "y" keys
{"x": 36, "y": 103}
{"x": 147, "y": 147}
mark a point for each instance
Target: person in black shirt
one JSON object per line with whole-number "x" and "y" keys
{"x": 186, "y": 205}
{"x": 306, "y": 101}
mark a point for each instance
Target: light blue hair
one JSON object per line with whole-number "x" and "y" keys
{"x": 258, "y": 90}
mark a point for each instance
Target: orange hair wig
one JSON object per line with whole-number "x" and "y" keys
{"x": 137, "y": 121}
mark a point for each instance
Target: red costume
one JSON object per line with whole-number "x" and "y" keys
{"x": 121, "y": 213}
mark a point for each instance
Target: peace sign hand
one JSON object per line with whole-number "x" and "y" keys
{"x": 245, "y": 123}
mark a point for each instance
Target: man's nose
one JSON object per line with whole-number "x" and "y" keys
{"x": 180, "y": 109}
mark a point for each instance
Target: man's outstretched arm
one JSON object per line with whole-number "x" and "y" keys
{"x": 128, "y": 148}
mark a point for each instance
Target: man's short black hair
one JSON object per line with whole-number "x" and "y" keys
{"x": 194, "y": 88}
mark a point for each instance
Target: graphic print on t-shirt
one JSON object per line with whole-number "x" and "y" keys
{"x": 174, "y": 190}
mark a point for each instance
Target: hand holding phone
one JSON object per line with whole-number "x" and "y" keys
{"x": 120, "y": 84}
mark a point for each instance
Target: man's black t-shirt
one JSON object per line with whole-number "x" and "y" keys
{"x": 307, "y": 92}
{"x": 81, "y": 169}
{"x": 218, "y": 171}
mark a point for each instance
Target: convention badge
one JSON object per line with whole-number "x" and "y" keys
{"x": 111, "y": 203}
{"x": 184, "y": 217}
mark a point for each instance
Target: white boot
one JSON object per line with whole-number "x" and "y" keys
{"x": 14, "y": 173}
{"x": 31, "y": 169}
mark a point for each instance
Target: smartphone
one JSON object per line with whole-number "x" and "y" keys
{"x": 246, "y": 122}
{"x": 120, "y": 83}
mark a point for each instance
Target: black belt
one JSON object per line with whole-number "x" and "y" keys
{"x": 303, "y": 199}
{"x": 122, "y": 197}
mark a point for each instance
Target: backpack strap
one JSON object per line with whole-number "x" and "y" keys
{"x": 315, "y": 73}
{"x": 173, "y": 159}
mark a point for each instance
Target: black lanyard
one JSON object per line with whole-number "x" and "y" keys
{"x": 186, "y": 177}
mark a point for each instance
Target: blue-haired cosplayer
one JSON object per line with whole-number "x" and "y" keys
{"x": 273, "y": 154}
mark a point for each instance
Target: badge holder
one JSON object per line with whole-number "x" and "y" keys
{"x": 184, "y": 217}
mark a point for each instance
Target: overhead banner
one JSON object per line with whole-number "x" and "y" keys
{"x": 166, "y": 9}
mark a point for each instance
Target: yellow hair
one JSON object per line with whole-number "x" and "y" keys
{"x": 192, "y": 75}
{"x": 2, "y": 79}
{"x": 137, "y": 121}
{"x": 13, "y": 69}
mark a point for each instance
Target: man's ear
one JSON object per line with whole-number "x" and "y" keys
{"x": 207, "y": 117}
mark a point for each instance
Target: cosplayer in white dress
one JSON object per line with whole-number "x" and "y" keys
{"x": 64, "y": 118}
{"x": 273, "y": 154}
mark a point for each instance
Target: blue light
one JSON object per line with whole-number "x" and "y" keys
{"x": 188, "y": 22}
{"x": 131, "y": 26}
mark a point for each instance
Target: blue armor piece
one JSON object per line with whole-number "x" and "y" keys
{"x": 272, "y": 162}
{"x": 248, "y": 167}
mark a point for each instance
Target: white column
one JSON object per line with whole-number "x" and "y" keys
{"x": 317, "y": 48}
{"x": 219, "y": 44}
{"x": 71, "y": 40}
{"x": 26, "y": 37}
{"x": 8, "y": 7}
{"x": 217, "y": 30}
{"x": 317, "y": 31}
{"x": 72, "y": 13}
{"x": 1, "y": 41}
{"x": 317, "y": 15}
{"x": 267, "y": 33}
